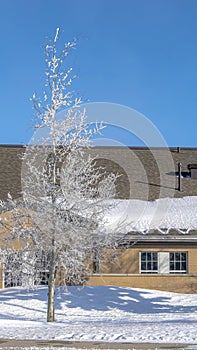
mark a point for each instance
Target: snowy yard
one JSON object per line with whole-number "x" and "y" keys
{"x": 111, "y": 314}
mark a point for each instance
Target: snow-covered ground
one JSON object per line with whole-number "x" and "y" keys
{"x": 111, "y": 314}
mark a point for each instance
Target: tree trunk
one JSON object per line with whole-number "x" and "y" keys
{"x": 51, "y": 290}
{"x": 51, "y": 282}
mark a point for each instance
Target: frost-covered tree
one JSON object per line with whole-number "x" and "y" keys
{"x": 65, "y": 194}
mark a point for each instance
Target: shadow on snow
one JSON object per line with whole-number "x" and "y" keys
{"x": 130, "y": 300}
{"x": 102, "y": 298}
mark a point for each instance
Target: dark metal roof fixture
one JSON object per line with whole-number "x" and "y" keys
{"x": 193, "y": 170}
{"x": 192, "y": 166}
{"x": 179, "y": 177}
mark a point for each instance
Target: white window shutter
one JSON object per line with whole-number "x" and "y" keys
{"x": 163, "y": 262}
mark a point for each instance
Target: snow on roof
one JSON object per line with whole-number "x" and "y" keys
{"x": 162, "y": 214}
{"x": 133, "y": 215}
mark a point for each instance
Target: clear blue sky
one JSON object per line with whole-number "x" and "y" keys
{"x": 139, "y": 53}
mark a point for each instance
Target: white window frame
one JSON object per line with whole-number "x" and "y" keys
{"x": 180, "y": 260}
{"x": 151, "y": 261}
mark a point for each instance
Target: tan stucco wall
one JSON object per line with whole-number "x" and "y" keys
{"x": 171, "y": 283}
{"x": 1, "y": 276}
{"x": 192, "y": 260}
{"x": 120, "y": 267}
{"x": 126, "y": 260}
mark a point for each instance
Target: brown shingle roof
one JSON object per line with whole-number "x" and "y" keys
{"x": 10, "y": 170}
{"x": 146, "y": 173}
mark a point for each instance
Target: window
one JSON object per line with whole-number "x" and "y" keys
{"x": 178, "y": 262}
{"x": 149, "y": 263}
{"x": 163, "y": 262}
{"x": 25, "y": 268}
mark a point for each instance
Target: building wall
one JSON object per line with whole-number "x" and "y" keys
{"x": 170, "y": 283}
{"x": 121, "y": 267}
{"x": 1, "y": 277}
{"x": 126, "y": 260}
{"x": 146, "y": 175}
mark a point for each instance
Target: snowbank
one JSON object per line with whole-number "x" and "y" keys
{"x": 100, "y": 314}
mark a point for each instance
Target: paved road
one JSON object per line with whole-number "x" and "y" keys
{"x": 18, "y": 344}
